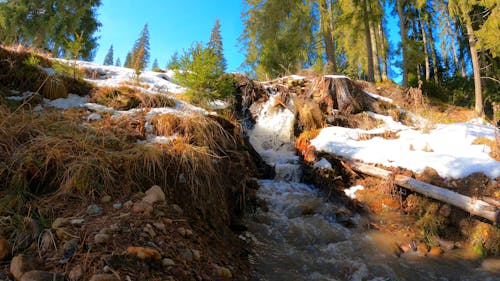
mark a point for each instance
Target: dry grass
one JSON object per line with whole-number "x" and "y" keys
{"x": 494, "y": 145}
{"x": 54, "y": 88}
{"x": 126, "y": 98}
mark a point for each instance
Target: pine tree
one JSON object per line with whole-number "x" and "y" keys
{"x": 108, "y": 60}
{"x": 173, "y": 63}
{"x": 215, "y": 44}
{"x": 140, "y": 51}
{"x": 118, "y": 62}
{"x": 155, "y": 64}
{"x": 128, "y": 60}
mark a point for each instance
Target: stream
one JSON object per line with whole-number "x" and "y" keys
{"x": 300, "y": 236}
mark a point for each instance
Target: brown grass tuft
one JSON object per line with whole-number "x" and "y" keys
{"x": 494, "y": 146}
{"x": 54, "y": 88}
{"x": 126, "y": 98}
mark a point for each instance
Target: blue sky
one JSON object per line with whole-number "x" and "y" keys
{"x": 173, "y": 26}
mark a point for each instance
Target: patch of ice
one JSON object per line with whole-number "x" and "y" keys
{"x": 65, "y": 103}
{"x": 218, "y": 104}
{"x": 94, "y": 117}
{"x": 323, "y": 164}
{"x": 24, "y": 96}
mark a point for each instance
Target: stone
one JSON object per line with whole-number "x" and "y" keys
{"x": 77, "y": 222}
{"x": 445, "y": 210}
{"x": 181, "y": 231}
{"x": 435, "y": 251}
{"x": 21, "y": 264}
{"x": 47, "y": 242}
{"x": 59, "y": 222}
{"x": 127, "y": 205}
{"x": 446, "y": 245}
{"x": 103, "y": 277}
{"x": 117, "y": 205}
{"x": 149, "y": 230}
{"x": 5, "y": 249}
{"x": 491, "y": 264}
{"x": 154, "y": 194}
{"x": 76, "y": 273}
{"x": 100, "y": 238}
{"x": 177, "y": 209}
{"x": 106, "y": 199}
{"x": 142, "y": 207}
{"x": 196, "y": 254}
{"x": 94, "y": 210}
{"x": 144, "y": 253}
{"x": 189, "y": 232}
{"x": 160, "y": 226}
{"x": 225, "y": 273}
{"x": 106, "y": 230}
{"x": 422, "y": 249}
{"x": 38, "y": 275}
{"x": 187, "y": 255}
{"x": 166, "y": 262}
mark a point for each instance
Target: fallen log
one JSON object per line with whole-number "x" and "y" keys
{"x": 473, "y": 206}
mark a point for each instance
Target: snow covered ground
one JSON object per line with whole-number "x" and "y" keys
{"x": 447, "y": 148}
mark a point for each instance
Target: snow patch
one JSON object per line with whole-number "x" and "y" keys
{"x": 351, "y": 191}
{"x": 378, "y": 97}
{"x": 323, "y": 164}
{"x": 64, "y": 103}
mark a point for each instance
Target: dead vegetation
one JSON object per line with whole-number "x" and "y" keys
{"x": 126, "y": 98}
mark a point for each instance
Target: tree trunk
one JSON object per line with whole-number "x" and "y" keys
{"x": 369, "y": 50}
{"x": 326, "y": 25}
{"x": 433, "y": 53}
{"x": 382, "y": 39}
{"x": 404, "y": 35}
{"x": 475, "y": 66}
{"x": 426, "y": 52}
{"x": 373, "y": 38}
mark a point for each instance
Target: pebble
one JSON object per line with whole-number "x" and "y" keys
{"x": 127, "y": 205}
{"x": 166, "y": 262}
{"x": 149, "y": 230}
{"x": 106, "y": 230}
{"x": 160, "y": 226}
{"x": 142, "y": 207}
{"x": 187, "y": 255}
{"x": 177, "y": 209}
{"x": 94, "y": 210}
{"x": 181, "y": 231}
{"x": 5, "y": 249}
{"x": 77, "y": 222}
{"x": 422, "y": 249}
{"x": 38, "y": 275}
{"x": 154, "y": 194}
{"x": 117, "y": 205}
{"x": 196, "y": 254}
{"x": 144, "y": 253}
{"x": 103, "y": 277}
{"x": 21, "y": 264}
{"x": 101, "y": 238}
{"x": 225, "y": 273}
{"x": 47, "y": 243}
{"x": 106, "y": 199}
{"x": 435, "y": 251}
{"x": 445, "y": 210}
{"x": 59, "y": 222}
{"x": 76, "y": 273}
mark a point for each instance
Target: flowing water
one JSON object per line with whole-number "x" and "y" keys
{"x": 300, "y": 236}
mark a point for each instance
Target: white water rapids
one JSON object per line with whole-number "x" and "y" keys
{"x": 299, "y": 236}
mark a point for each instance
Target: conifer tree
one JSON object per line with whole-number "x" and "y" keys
{"x": 118, "y": 62}
{"x": 155, "y": 64}
{"x": 140, "y": 51}
{"x": 215, "y": 44}
{"x": 108, "y": 60}
{"x": 173, "y": 63}
{"x": 128, "y": 60}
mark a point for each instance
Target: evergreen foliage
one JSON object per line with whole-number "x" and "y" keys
{"x": 140, "y": 51}
{"x": 50, "y": 25}
{"x": 155, "y": 64}
{"x": 118, "y": 62}
{"x": 215, "y": 44}
{"x": 108, "y": 60}
{"x": 173, "y": 63}
{"x": 128, "y": 60}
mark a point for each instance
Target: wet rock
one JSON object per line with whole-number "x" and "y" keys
{"x": 142, "y": 207}
{"x": 422, "y": 249}
{"x": 38, "y": 275}
{"x": 154, "y": 194}
{"x": 166, "y": 262}
{"x": 103, "y": 277}
{"x": 491, "y": 264}
{"x": 21, "y": 264}
{"x": 5, "y": 249}
{"x": 94, "y": 210}
{"x": 396, "y": 249}
{"x": 144, "y": 253}
{"x": 76, "y": 273}
{"x": 187, "y": 255}
{"x": 106, "y": 199}
{"x": 59, "y": 222}
{"x": 435, "y": 251}
{"x": 100, "y": 238}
